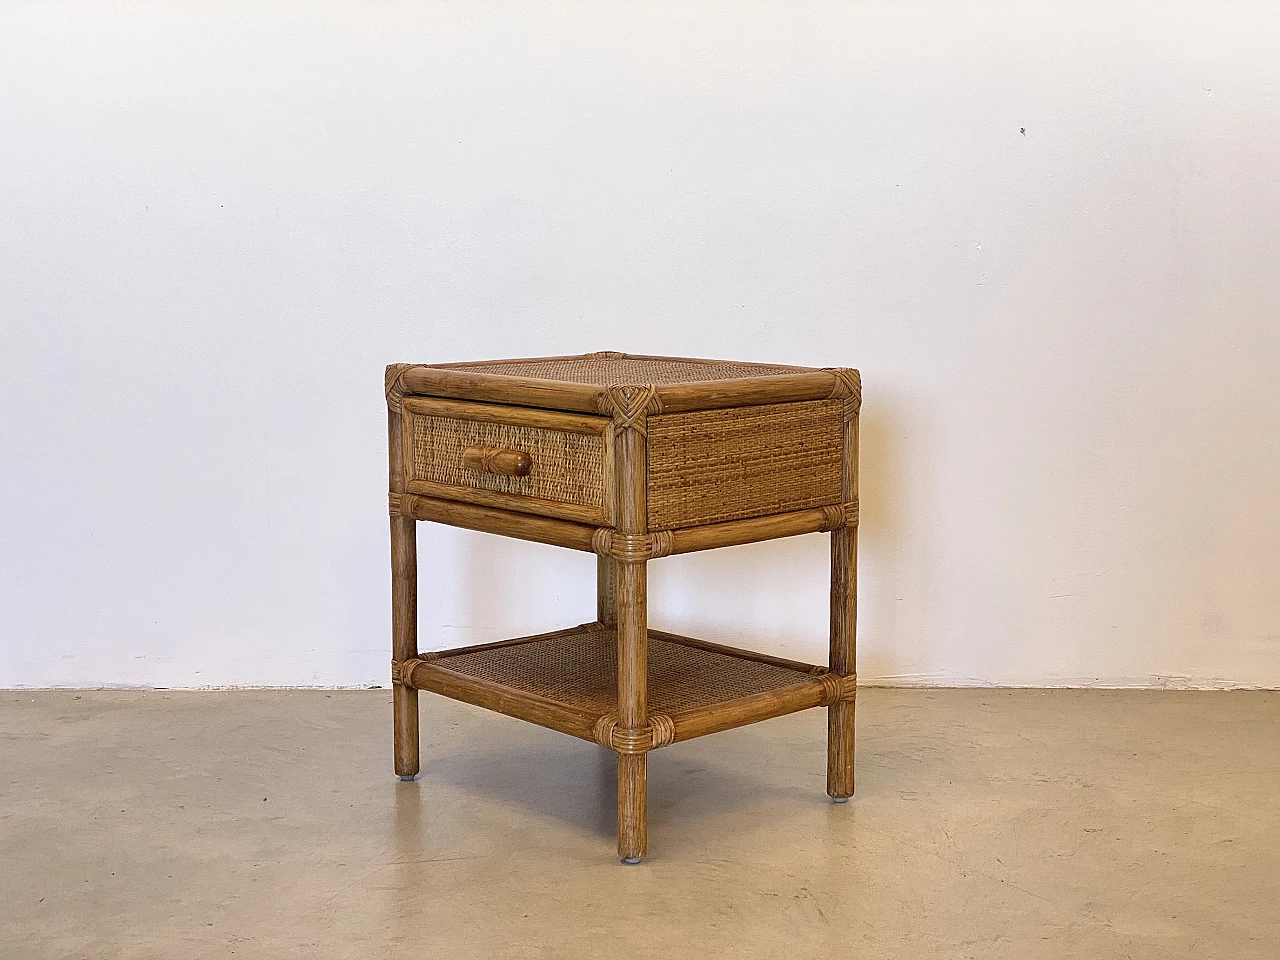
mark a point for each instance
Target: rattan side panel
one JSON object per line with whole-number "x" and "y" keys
{"x": 579, "y": 668}
{"x": 716, "y": 465}
{"x": 567, "y": 467}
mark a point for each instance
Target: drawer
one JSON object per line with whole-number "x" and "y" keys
{"x": 514, "y": 458}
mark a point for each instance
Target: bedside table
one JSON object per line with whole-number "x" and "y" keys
{"x": 631, "y": 458}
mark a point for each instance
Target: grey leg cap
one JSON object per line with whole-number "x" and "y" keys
{"x": 631, "y": 860}
{"x": 410, "y": 778}
{"x": 840, "y": 799}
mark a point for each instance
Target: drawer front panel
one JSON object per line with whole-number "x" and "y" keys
{"x": 716, "y": 465}
{"x": 570, "y": 460}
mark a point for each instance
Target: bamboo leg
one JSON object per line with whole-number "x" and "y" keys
{"x": 404, "y": 593}
{"x": 404, "y": 641}
{"x": 844, "y": 603}
{"x": 844, "y": 615}
{"x": 604, "y": 590}
{"x": 633, "y": 789}
{"x": 630, "y": 600}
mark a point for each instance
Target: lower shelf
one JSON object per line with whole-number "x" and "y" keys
{"x": 567, "y": 680}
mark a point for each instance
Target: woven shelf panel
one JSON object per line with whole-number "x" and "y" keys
{"x": 567, "y": 467}
{"x": 605, "y": 372}
{"x": 580, "y": 669}
{"x": 717, "y": 465}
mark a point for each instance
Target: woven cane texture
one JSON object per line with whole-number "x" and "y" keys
{"x": 567, "y": 467}
{"x": 716, "y": 465}
{"x": 579, "y": 669}
{"x": 610, "y": 372}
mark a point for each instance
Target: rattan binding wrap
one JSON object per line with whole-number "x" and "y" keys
{"x": 567, "y": 467}
{"x": 579, "y": 668}
{"x": 609, "y": 371}
{"x": 711, "y": 466}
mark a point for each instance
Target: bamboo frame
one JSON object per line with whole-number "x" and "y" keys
{"x": 545, "y": 712}
{"x": 510, "y": 502}
{"x": 590, "y": 426}
{"x": 735, "y": 532}
{"x": 620, "y": 536}
{"x": 558, "y": 533}
{"x": 661, "y": 543}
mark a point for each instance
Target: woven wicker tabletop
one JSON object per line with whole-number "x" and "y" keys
{"x": 606, "y": 382}
{"x": 608, "y": 370}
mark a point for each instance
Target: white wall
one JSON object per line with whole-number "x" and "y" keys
{"x": 218, "y": 221}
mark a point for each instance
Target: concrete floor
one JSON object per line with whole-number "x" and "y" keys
{"x": 988, "y": 824}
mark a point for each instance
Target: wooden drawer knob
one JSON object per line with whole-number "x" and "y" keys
{"x": 508, "y": 463}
